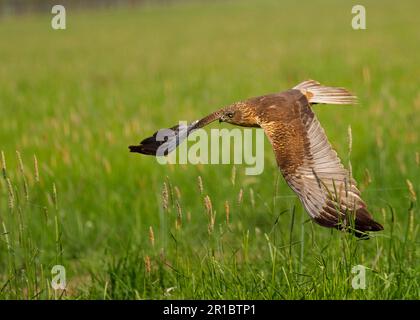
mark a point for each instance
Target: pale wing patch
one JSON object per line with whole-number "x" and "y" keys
{"x": 317, "y": 93}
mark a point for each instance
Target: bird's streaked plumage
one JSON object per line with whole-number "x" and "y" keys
{"x": 305, "y": 157}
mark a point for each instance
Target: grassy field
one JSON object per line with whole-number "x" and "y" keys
{"x": 125, "y": 227}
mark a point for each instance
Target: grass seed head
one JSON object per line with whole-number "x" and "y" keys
{"x": 6, "y": 236}
{"x": 210, "y": 226}
{"x": 3, "y": 165}
{"x": 20, "y": 162}
{"x": 177, "y": 193}
{"x": 55, "y": 195}
{"x": 227, "y": 211}
{"x": 170, "y": 190}
{"x": 240, "y": 196}
{"x": 411, "y": 222}
{"x": 413, "y": 196}
{"x": 200, "y": 185}
{"x": 36, "y": 169}
{"x": 147, "y": 264}
{"x": 208, "y": 205}
{"x": 22, "y": 172}
{"x": 10, "y": 193}
{"x": 233, "y": 175}
{"x": 165, "y": 197}
{"x": 178, "y": 222}
{"x": 383, "y": 214}
{"x": 350, "y": 138}
{"x": 151, "y": 236}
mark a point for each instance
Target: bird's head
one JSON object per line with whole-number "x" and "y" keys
{"x": 239, "y": 114}
{"x": 230, "y": 115}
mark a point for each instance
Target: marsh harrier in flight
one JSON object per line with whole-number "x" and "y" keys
{"x": 306, "y": 159}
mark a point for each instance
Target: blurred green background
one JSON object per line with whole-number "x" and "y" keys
{"x": 76, "y": 98}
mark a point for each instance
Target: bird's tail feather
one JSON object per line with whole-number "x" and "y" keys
{"x": 317, "y": 93}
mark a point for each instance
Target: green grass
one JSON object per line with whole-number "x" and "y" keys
{"x": 77, "y": 98}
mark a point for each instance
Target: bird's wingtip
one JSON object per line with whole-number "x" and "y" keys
{"x": 135, "y": 148}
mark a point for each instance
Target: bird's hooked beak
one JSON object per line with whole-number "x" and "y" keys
{"x": 223, "y": 118}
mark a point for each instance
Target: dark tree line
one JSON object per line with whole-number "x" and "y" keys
{"x": 26, "y": 6}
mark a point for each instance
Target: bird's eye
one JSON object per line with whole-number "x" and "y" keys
{"x": 230, "y": 115}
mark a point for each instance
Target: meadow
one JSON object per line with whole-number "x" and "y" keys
{"x": 125, "y": 227}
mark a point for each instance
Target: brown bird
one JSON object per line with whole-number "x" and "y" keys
{"x": 306, "y": 159}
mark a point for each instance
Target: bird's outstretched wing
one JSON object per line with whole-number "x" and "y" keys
{"x": 165, "y": 141}
{"x": 313, "y": 170}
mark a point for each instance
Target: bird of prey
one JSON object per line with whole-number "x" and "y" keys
{"x": 306, "y": 159}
